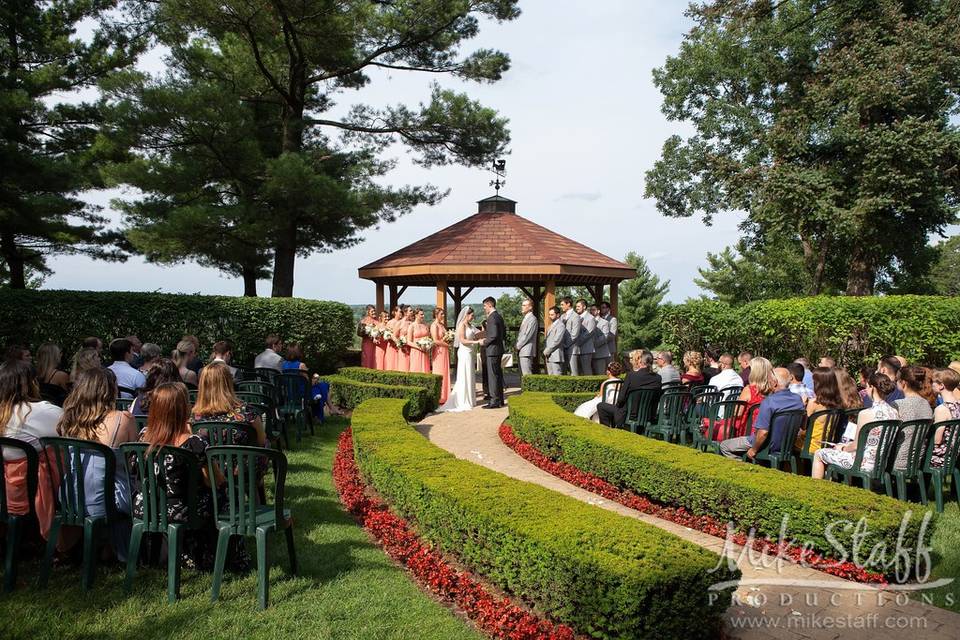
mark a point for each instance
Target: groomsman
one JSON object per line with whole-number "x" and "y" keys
{"x": 553, "y": 345}
{"x": 607, "y": 314}
{"x": 601, "y": 355}
{"x": 588, "y": 325}
{"x": 571, "y": 345}
{"x": 527, "y": 338}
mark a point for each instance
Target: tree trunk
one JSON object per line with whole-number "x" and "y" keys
{"x": 15, "y": 262}
{"x": 285, "y": 246}
{"x": 250, "y": 282}
{"x": 861, "y": 275}
{"x": 815, "y": 260}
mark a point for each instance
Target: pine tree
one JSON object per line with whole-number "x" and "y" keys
{"x": 639, "y": 301}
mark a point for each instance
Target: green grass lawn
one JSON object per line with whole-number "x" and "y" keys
{"x": 946, "y": 551}
{"x": 348, "y": 588}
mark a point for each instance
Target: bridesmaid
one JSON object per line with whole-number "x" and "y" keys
{"x": 403, "y": 353}
{"x": 393, "y": 354}
{"x": 440, "y": 363}
{"x": 419, "y": 358}
{"x": 380, "y": 354}
{"x": 367, "y": 349}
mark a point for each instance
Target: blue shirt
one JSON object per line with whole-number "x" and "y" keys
{"x": 782, "y": 400}
{"x": 807, "y": 378}
{"x": 127, "y": 377}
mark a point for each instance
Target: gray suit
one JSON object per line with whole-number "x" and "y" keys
{"x": 612, "y": 338}
{"x": 553, "y": 347}
{"x": 527, "y": 343}
{"x": 601, "y": 337}
{"x": 585, "y": 340}
{"x": 572, "y": 345}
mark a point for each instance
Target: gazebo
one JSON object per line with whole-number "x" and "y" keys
{"x": 495, "y": 247}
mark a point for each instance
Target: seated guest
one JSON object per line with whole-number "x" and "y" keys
{"x": 149, "y": 357}
{"x": 615, "y": 414}
{"x": 162, "y": 372}
{"x": 744, "y": 360}
{"x": 955, "y": 366}
{"x": 760, "y": 385}
{"x": 294, "y": 358}
{"x": 588, "y": 409}
{"x": 90, "y": 413}
{"x": 92, "y": 342}
{"x": 668, "y": 372}
{"x": 84, "y": 360}
{"x": 25, "y": 417}
{"x": 195, "y": 363}
{"x": 182, "y": 356}
{"x": 807, "y": 374}
{"x": 169, "y": 426}
{"x": 711, "y": 366}
{"x": 223, "y": 352}
{"x": 18, "y": 353}
{"x": 217, "y": 402}
{"x": 849, "y": 399}
{"x": 270, "y": 357}
{"x": 826, "y": 395}
{"x": 54, "y": 381}
{"x": 945, "y": 383}
{"x": 726, "y": 377}
{"x": 843, "y": 454}
{"x": 320, "y": 392}
{"x": 797, "y": 385}
{"x": 692, "y": 375}
{"x": 136, "y": 346}
{"x": 917, "y": 403}
{"x": 765, "y": 427}
{"x": 121, "y": 352}
{"x": 890, "y": 367}
{"x": 827, "y": 362}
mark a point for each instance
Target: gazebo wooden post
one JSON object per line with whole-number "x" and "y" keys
{"x": 394, "y": 298}
{"x": 549, "y": 300}
{"x": 442, "y": 295}
{"x": 379, "y": 298}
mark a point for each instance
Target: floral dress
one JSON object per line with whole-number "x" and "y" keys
{"x": 939, "y": 452}
{"x": 881, "y": 411}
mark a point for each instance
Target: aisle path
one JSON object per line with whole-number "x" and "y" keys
{"x": 773, "y": 611}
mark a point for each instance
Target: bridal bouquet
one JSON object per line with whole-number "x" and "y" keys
{"x": 387, "y": 334}
{"x": 426, "y": 344}
{"x": 401, "y": 341}
{"x": 449, "y": 336}
{"x": 372, "y": 331}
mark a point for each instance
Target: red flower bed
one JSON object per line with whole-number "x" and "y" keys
{"x": 680, "y": 515}
{"x": 495, "y": 616}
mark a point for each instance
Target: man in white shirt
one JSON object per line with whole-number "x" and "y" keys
{"x": 129, "y": 378}
{"x": 727, "y": 376}
{"x": 270, "y": 357}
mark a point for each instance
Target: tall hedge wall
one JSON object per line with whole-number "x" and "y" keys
{"x": 606, "y": 575}
{"x": 325, "y": 329}
{"x": 853, "y": 330}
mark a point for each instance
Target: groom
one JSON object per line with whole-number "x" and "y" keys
{"x": 493, "y": 345}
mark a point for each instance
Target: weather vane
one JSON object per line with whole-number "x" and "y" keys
{"x": 499, "y": 169}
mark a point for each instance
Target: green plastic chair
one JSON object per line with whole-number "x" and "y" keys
{"x": 192, "y": 394}
{"x": 703, "y": 388}
{"x": 16, "y": 522}
{"x": 915, "y": 434}
{"x": 242, "y": 516}
{"x": 673, "y": 384}
{"x": 267, "y": 389}
{"x": 296, "y": 399}
{"x": 885, "y": 448}
{"x": 787, "y": 435}
{"x": 731, "y": 393}
{"x": 66, "y": 458}
{"x": 275, "y": 428}
{"x": 671, "y": 412}
{"x": 256, "y": 397}
{"x": 719, "y": 414}
{"x": 949, "y": 468}
{"x": 149, "y": 469}
{"x": 123, "y": 404}
{"x": 697, "y": 410}
{"x": 640, "y": 406}
{"x": 272, "y": 378}
{"x": 226, "y": 432}
{"x": 141, "y": 422}
{"x": 610, "y": 389}
{"x": 243, "y": 373}
{"x": 835, "y": 421}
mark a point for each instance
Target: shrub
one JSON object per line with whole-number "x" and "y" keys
{"x": 606, "y": 575}
{"x": 348, "y": 393}
{"x": 428, "y": 381}
{"x": 562, "y": 384}
{"x": 324, "y": 329}
{"x": 854, "y": 330}
{"x": 570, "y": 401}
{"x": 748, "y": 495}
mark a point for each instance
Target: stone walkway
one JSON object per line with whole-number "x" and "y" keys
{"x": 782, "y": 605}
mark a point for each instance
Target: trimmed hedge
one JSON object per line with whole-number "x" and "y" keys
{"x": 854, "y": 330}
{"x": 728, "y": 490}
{"x": 432, "y": 383}
{"x": 606, "y": 575}
{"x": 561, "y": 384}
{"x": 570, "y": 401}
{"x": 348, "y": 393}
{"x": 324, "y": 329}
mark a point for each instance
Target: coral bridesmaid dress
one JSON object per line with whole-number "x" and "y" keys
{"x": 440, "y": 364}
{"x": 380, "y": 350}
{"x": 391, "y": 355}
{"x": 420, "y": 360}
{"x": 367, "y": 349}
{"x": 403, "y": 353}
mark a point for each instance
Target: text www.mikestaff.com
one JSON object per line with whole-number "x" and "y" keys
{"x": 819, "y": 621}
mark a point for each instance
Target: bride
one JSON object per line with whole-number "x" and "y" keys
{"x": 464, "y": 392}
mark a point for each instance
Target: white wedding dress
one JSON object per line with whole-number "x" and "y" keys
{"x": 463, "y": 396}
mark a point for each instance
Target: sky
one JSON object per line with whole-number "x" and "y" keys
{"x": 585, "y": 126}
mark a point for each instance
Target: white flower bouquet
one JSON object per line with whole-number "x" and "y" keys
{"x": 373, "y": 331}
{"x": 401, "y": 341}
{"x": 449, "y": 336}
{"x": 426, "y": 344}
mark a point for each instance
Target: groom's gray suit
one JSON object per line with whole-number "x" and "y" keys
{"x": 572, "y": 345}
{"x": 601, "y": 356}
{"x": 553, "y": 348}
{"x": 527, "y": 343}
{"x": 585, "y": 340}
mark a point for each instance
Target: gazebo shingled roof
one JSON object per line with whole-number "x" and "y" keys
{"x": 496, "y": 247}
